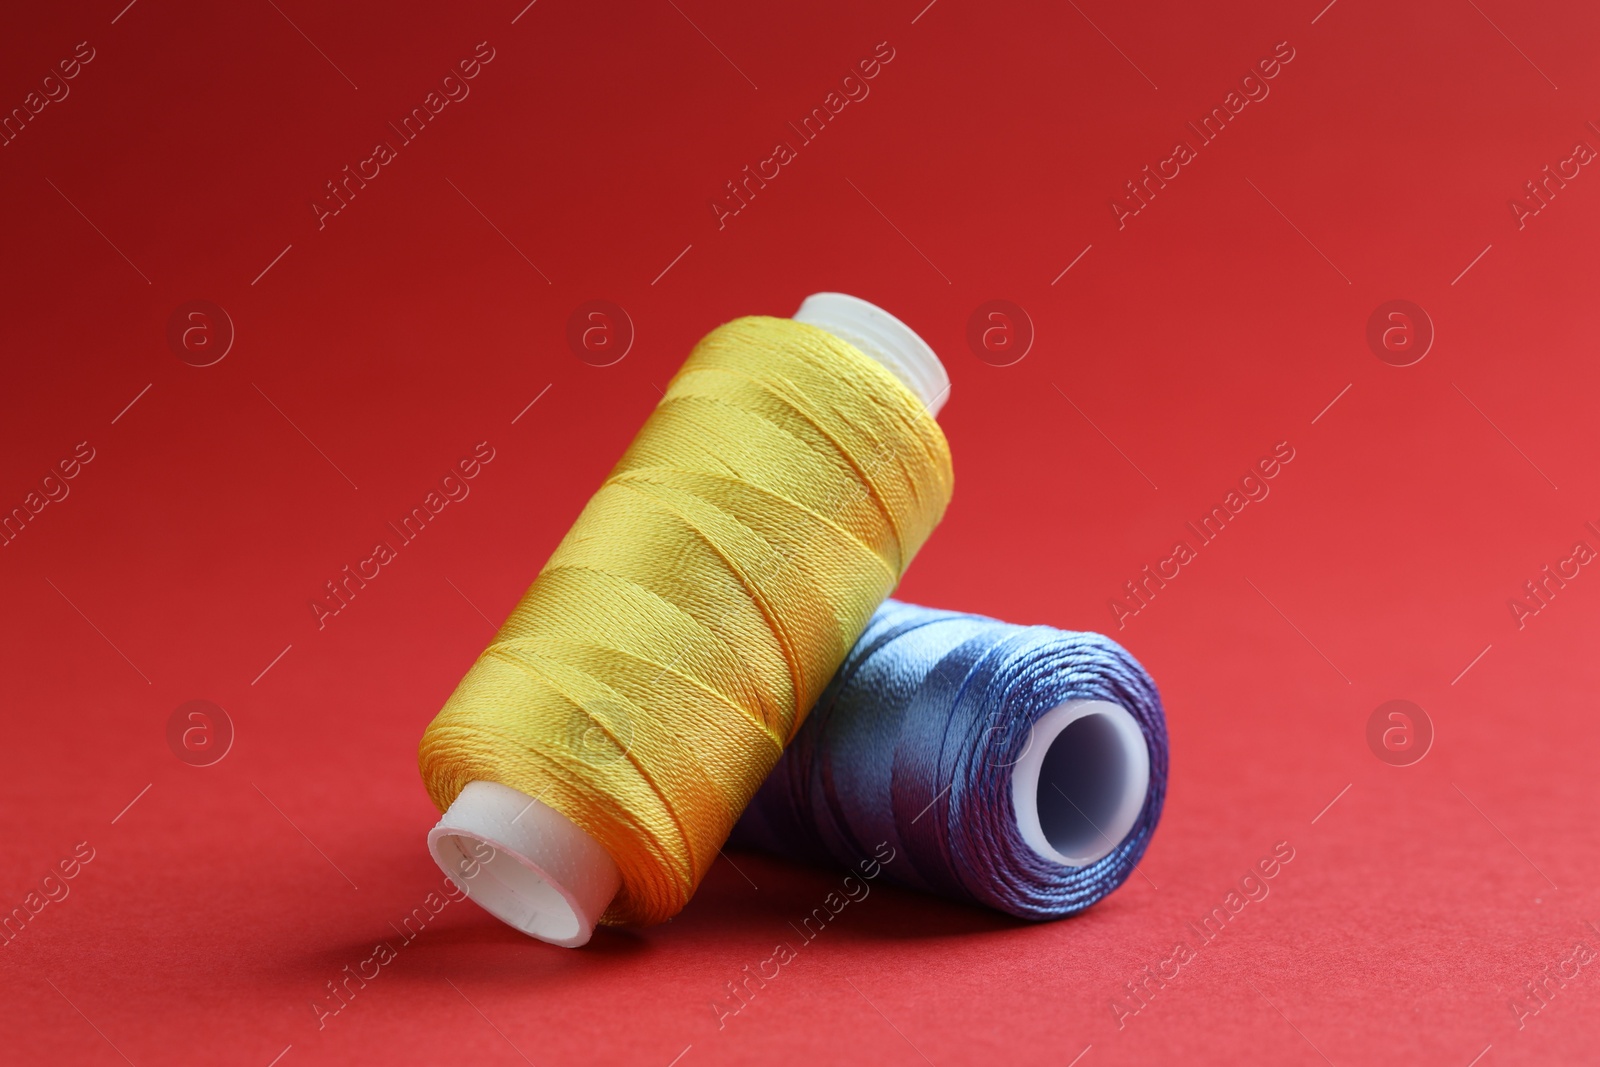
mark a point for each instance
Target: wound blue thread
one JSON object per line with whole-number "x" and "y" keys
{"x": 914, "y": 741}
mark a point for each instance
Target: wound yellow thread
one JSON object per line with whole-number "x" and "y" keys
{"x": 650, "y": 677}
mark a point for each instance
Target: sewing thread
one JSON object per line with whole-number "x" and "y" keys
{"x": 669, "y": 649}
{"x": 914, "y": 742}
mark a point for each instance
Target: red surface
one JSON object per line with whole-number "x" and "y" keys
{"x": 1221, "y": 320}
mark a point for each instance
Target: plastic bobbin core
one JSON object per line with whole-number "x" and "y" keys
{"x": 525, "y": 863}
{"x": 530, "y": 866}
{"x": 1080, "y": 784}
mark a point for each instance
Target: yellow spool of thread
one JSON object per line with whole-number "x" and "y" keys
{"x": 593, "y": 760}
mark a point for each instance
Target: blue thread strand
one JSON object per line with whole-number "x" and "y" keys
{"x": 913, "y": 743}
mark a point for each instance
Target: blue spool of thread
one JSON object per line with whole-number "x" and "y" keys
{"x": 1019, "y": 767}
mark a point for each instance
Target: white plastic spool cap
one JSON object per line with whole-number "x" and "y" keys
{"x": 527, "y": 864}
{"x": 884, "y": 338}
{"x": 1080, "y": 784}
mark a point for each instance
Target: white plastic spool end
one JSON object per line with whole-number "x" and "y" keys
{"x": 1080, "y": 784}
{"x": 884, "y": 338}
{"x": 526, "y": 863}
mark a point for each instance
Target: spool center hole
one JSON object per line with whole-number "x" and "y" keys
{"x": 1081, "y": 787}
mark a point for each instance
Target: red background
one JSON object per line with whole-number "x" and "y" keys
{"x": 1221, "y": 320}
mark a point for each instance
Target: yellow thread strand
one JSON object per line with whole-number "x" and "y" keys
{"x": 669, "y": 649}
